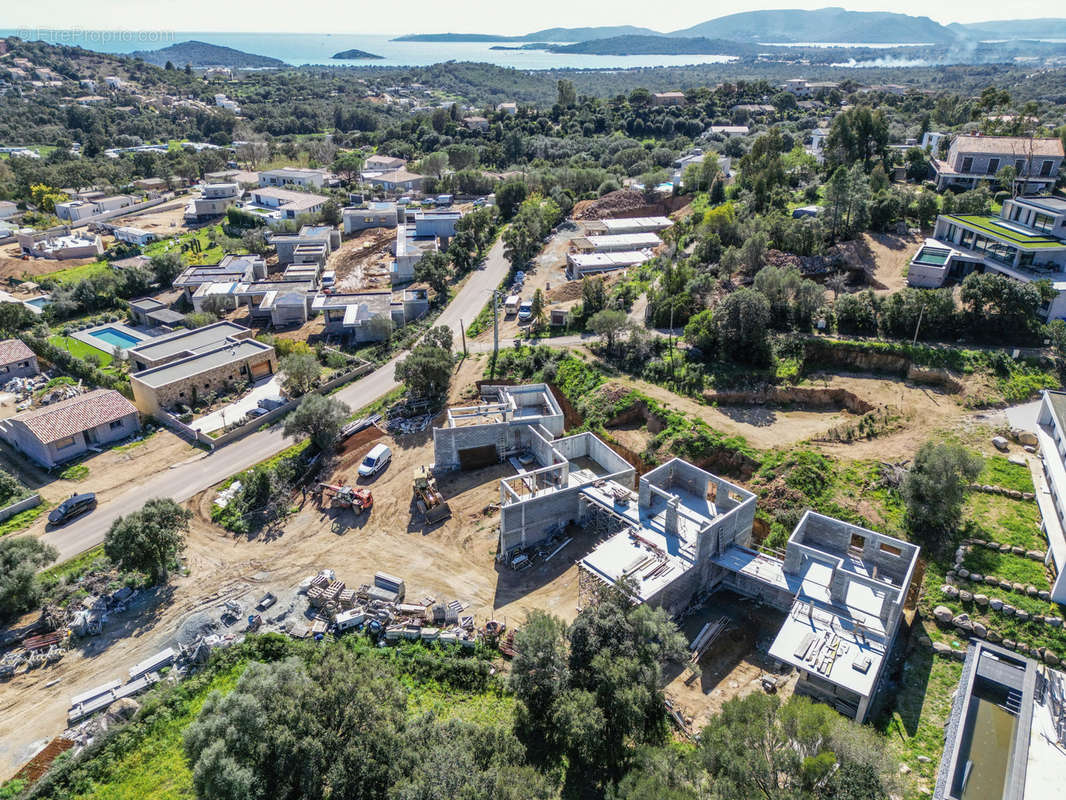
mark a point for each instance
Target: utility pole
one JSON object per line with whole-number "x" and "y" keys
{"x": 917, "y": 326}
{"x": 495, "y": 329}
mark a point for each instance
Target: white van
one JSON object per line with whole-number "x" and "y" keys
{"x": 375, "y": 461}
{"x": 510, "y": 305}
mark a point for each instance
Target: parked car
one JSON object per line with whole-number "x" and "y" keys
{"x": 73, "y": 506}
{"x": 375, "y": 461}
{"x": 525, "y": 311}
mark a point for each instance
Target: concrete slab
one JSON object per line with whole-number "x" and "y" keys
{"x": 267, "y": 388}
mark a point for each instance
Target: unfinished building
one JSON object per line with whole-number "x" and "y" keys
{"x": 686, "y": 533}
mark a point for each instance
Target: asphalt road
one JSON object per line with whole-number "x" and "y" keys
{"x": 190, "y": 477}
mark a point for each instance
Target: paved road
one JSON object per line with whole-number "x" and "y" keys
{"x": 186, "y": 479}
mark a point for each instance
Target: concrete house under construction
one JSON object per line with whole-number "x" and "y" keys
{"x": 680, "y": 533}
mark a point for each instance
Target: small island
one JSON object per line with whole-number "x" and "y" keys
{"x": 355, "y": 55}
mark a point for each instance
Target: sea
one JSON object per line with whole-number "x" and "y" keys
{"x": 299, "y": 49}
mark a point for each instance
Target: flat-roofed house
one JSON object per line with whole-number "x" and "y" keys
{"x": 374, "y": 215}
{"x": 1051, "y": 496}
{"x": 213, "y": 201}
{"x": 286, "y": 244}
{"x": 16, "y": 360}
{"x": 184, "y": 343}
{"x": 231, "y": 268}
{"x": 1026, "y": 242}
{"x": 973, "y": 160}
{"x": 295, "y": 176}
{"x": 229, "y": 364}
{"x": 283, "y": 203}
{"x": 61, "y": 431}
{"x": 153, "y": 313}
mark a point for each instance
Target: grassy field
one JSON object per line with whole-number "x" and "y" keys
{"x": 1016, "y": 569}
{"x": 23, "y": 519}
{"x": 75, "y": 472}
{"x": 74, "y": 567}
{"x": 915, "y": 725}
{"x": 74, "y": 274}
{"x": 999, "y": 471}
{"x": 1000, "y": 519}
{"x": 78, "y": 348}
{"x": 157, "y": 768}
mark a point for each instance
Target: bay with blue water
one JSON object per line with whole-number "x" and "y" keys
{"x": 317, "y": 48}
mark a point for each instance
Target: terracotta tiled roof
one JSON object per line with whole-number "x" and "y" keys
{"x": 69, "y": 417}
{"x": 12, "y": 350}
{"x": 1016, "y": 145}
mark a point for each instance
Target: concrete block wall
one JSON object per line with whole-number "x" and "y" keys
{"x": 447, "y": 442}
{"x": 679, "y": 594}
{"x": 527, "y": 523}
{"x": 732, "y": 528}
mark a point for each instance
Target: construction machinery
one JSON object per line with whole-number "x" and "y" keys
{"x": 428, "y": 498}
{"x": 342, "y": 496}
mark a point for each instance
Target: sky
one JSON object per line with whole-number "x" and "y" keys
{"x": 464, "y": 16}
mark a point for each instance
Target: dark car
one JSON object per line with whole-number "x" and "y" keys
{"x": 73, "y": 506}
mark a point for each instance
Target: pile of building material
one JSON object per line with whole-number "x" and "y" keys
{"x": 381, "y": 609}
{"x": 610, "y": 205}
{"x": 707, "y": 636}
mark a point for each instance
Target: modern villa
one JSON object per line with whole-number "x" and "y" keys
{"x": 1027, "y": 242}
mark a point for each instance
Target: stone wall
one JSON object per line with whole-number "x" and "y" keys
{"x": 189, "y": 390}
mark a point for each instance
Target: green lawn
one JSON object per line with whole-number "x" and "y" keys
{"x": 75, "y": 472}
{"x": 74, "y": 274}
{"x": 1001, "y": 519}
{"x": 915, "y": 723}
{"x": 999, "y": 471}
{"x": 23, "y": 519}
{"x": 444, "y": 702}
{"x": 75, "y": 566}
{"x": 1016, "y": 569}
{"x": 78, "y": 348}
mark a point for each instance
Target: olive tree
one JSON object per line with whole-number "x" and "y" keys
{"x": 150, "y": 539}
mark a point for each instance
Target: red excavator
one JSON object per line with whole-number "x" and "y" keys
{"x": 359, "y": 500}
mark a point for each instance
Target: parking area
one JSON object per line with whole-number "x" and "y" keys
{"x": 264, "y": 389}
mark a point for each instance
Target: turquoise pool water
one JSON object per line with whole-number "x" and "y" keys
{"x": 40, "y": 302}
{"x": 934, "y": 256}
{"x": 115, "y": 337}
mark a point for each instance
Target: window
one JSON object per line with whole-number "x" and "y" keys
{"x": 993, "y": 166}
{"x": 1045, "y": 168}
{"x": 857, "y": 541}
{"x": 1043, "y": 223}
{"x": 967, "y": 164}
{"x": 890, "y": 549}
{"x": 115, "y": 425}
{"x": 63, "y": 444}
{"x": 1019, "y": 165}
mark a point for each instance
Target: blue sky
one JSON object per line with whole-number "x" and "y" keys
{"x": 425, "y": 16}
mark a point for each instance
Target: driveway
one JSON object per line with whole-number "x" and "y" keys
{"x": 190, "y": 477}
{"x": 264, "y": 389}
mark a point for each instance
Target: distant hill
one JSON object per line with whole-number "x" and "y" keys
{"x": 585, "y": 34}
{"x": 202, "y": 54}
{"x": 1013, "y": 29}
{"x": 355, "y": 55}
{"x": 656, "y": 45}
{"x": 548, "y": 34}
{"x": 823, "y": 25}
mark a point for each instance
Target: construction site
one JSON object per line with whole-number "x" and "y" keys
{"x": 486, "y": 511}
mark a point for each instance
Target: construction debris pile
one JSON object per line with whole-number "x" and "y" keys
{"x": 381, "y": 610}
{"x": 612, "y": 204}
{"x": 23, "y": 390}
{"x": 85, "y": 618}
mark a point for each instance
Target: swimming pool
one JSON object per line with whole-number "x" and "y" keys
{"x": 38, "y": 302}
{"x": 115, "y": 337}
{"x": 933, "y": 256}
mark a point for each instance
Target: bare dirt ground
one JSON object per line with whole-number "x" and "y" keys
{"x": 12, "y": 264}
{"x": 733, "y": 665}
{"x": 451, "y": 560}
{"x": 362, "y": 262}
{"x": 884, "y": 257}
{"x": 110, "y": 472}
{"x": 164, "y": 220}
{"x": 922, "y": 409}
